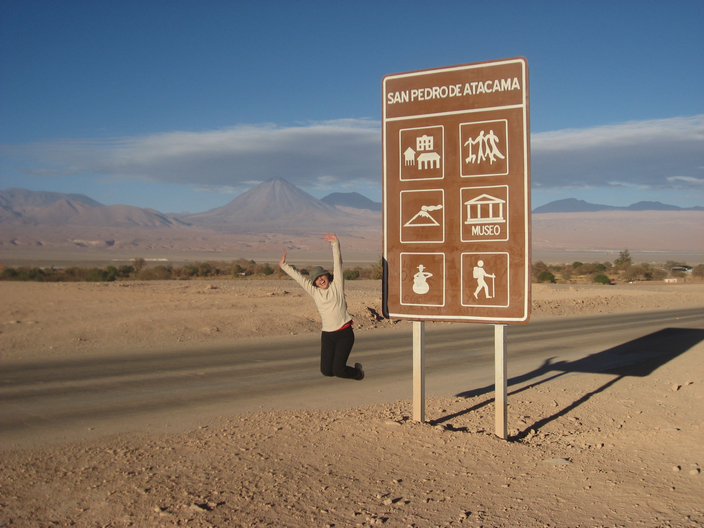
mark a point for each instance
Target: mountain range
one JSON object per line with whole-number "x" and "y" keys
{"x": 572, "y": 205}
{"x": 277, "y": 215}
{"x": 273, "y": 204}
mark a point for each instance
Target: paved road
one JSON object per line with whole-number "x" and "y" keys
{"x": 172, "y": 389}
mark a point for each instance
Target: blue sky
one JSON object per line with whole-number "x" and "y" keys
{"x": 182, "y": 105}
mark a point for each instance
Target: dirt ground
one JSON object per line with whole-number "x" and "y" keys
{"x": 640, "y": 464}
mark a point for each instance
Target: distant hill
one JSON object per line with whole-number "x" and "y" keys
{"x": 38, "y": 208}
{"x": 572, "y": 205}
{"x": 653, "y": 206}
{"x": 18, "y": 199}
{"x": 353, "y": 199}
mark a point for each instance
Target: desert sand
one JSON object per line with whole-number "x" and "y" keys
{"x": 639, "y": 464}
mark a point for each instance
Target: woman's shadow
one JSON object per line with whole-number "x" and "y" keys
{"x": 637, "y": 358}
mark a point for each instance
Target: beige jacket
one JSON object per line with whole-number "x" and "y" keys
{"x": 331, "y": 303}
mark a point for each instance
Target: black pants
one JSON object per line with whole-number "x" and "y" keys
{"x": 335, "y": 348}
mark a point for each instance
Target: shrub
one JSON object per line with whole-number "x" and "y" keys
{"x": 644, "y": 272}
{"x": 624, "y": 260}
{"x": 602, "y": 279}
{"x": 9, "y": 274}
{"x": 125, "y": 271}
{"x": 139, "y": 263}
{"x": 351, "y": 274}
{"x": 155, "y": 273}
{"x": 698, "y": 271}
{"x": 188, "y": 271}
{"x": 377, "y": 272}
{"x": 538, "y": 268}
{"x": 546, "y": 276}
{"x": 96, "y": 275}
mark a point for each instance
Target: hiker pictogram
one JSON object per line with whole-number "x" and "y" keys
{"x": 479, "y": 273}
{"x": 485, "y": 279}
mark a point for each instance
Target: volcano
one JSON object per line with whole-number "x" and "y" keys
{"x": 275, "y": 204}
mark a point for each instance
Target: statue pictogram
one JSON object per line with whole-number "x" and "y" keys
{"x": 420, "y": 281}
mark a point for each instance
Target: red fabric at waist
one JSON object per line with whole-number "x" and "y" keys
{"x": 346, "y": 325}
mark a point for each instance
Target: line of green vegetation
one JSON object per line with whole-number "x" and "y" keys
{"x": 139, "y": 270}
{"x": 622, "y": 269}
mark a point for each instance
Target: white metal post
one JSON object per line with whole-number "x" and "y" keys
{"x": 500, "y": 380}
{"x": 419, "y": 371}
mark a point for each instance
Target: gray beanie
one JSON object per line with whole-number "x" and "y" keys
{"x": 315, "y": 272}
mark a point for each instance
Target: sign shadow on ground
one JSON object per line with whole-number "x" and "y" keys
{"x": 637, "y": 358}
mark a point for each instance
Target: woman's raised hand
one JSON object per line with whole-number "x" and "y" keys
{"x": 330, "y": 237}
{"x": 283, "y": 260}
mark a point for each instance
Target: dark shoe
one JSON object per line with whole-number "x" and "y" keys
{"x": 358, "y": 366}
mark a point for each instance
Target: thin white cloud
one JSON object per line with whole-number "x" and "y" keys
{"x": 317, "y": 154}
{"x": 699, "y": 182}
{"x": 655, "y": 154}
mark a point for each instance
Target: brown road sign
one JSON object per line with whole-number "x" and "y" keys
{"x": 456, "y": 193}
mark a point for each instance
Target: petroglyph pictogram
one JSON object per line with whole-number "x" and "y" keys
{"x": 484, "y": 148}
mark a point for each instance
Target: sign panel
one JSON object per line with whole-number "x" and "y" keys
{"x": 456, "y": 193}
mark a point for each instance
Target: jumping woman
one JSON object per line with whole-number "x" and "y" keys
{"x": 328, "y": 292}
